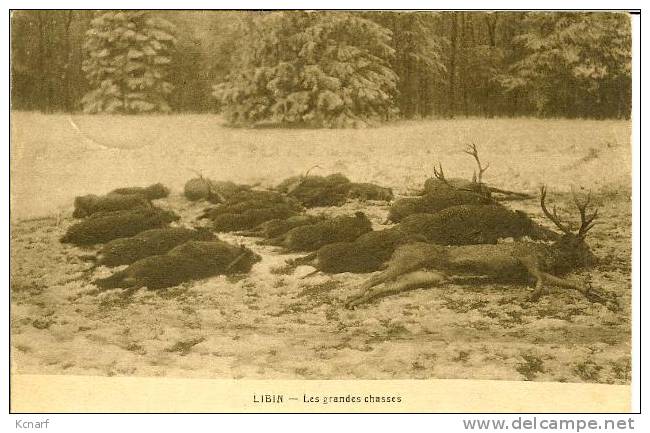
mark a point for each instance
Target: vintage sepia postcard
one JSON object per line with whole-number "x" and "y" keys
{"x": 321, "y": 211}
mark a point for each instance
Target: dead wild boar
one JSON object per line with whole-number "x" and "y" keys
{"x": 474, "y": 224}
{"x": 201, "y": 188}
{"x": 190, "y": 261}
{"x": 151, "y": 192}
{"x": 124, "y": 251}
{"x": 249, "y": 218}
{"x": 435, "y": 201}
{"x": 250, "y": 200}
{"x": 105, "y": 226}
{"x": 248, "y": 209}
{"x": 87, "y": 205}
{"x": 278, "y": 226}
{"x": 368, "y": 253}
{"x": 311, "y": 237}
{"x": 223, "y": 191}
{"x": 198, "y": 188}
{"x": 314, "y": 191}
{"x": 369, "y": 191}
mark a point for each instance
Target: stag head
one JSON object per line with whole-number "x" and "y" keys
{"x": 573, "y": 244}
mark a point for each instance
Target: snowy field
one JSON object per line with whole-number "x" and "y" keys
{"x": 270, "y": 324}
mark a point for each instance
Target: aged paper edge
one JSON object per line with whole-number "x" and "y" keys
{"x": 93, "y": 394}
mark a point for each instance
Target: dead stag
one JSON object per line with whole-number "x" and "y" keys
{"x": 418, "y": 265}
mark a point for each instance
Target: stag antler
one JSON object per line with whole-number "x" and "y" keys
{"x": 310, "y": 169}
{"x": 553, "y": 217}
{"x": 439, "y": 174}
{"x": 301, "y": 180}
{"x": 473, "y": 151}
{"x": 587, "y": 221}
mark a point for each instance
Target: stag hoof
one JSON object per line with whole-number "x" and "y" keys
{"x": 536, "y": 295}
{"x": 609, "y": 300}
{"x": 353, "y": 302}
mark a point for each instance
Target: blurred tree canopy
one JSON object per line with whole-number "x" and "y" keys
{"x": 344, "y": 68}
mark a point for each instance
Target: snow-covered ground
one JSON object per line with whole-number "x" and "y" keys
{"x": 270, "y": 324}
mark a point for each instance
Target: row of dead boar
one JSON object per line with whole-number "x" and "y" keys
{"x": 449, "y": 232}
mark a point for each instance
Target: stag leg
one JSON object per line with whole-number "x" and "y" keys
{"x": 391, "y": 273}
{"x": 413, "y": 280}
{"x": 532, "y": 265}
{"x": 402, "y": 263}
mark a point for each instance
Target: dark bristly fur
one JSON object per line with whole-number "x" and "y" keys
{"x": 151, "y": 192}
{"x": 370, "y": 191}
{"x": 227, "y": 222}
{"x": 474, "y": 224}
{"x": 311, "y": 237}
{"x": 435, "y": 201}
{"x": 368, "y": 253}
{"x": 313, "y": 191}
{"x": 105, "y": 226}
{"x": 248, "y": 209}
{"x": 201, "y": 188}
{"x": 221, "y": 190}
{"x": 189, "y": 261}
{"x": 90, "y": 204}
{"x": 197, "y": 188}
{"x": 124, "y": 251}
{"x": 247, "y": 200}
{"x": 277, "y": 227}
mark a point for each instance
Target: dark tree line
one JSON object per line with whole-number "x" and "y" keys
{"x": 444, "y": 63}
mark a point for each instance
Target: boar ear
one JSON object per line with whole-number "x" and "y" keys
{"x": 360, "y": 214}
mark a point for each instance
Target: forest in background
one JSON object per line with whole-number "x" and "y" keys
{"x": 433, "y": 63}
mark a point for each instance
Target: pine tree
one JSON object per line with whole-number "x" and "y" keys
{"x": 126, "y": 64}
{"x": 575, "y": 64}
{"x": 326, "y": 69}
{"x": 419, "y": 58}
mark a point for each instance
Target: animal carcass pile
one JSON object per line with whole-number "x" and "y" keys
{"x": 451, "y": 230}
